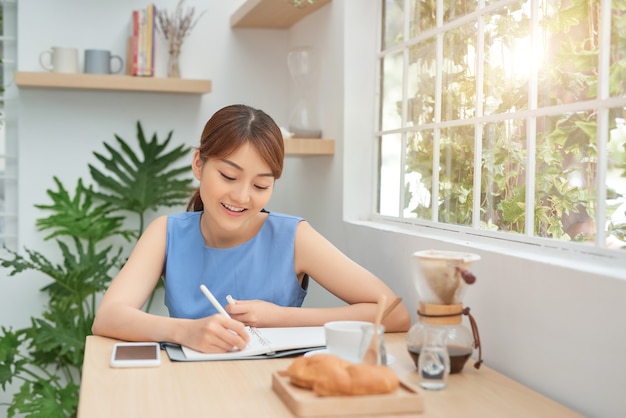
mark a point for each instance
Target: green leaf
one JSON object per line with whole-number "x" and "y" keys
{"x": 617, "y": 75}
{"x": 513, "y": 211}
{"x": 44, "y": 399}
{"x": 11, "y": 362}
{"x": 139, "y": 183}
{"x": 59, "y": 340}
{"x": 589, "y": 128}
{"x": 79, "y": 216}
{"x": 567, "y": 17}
{"x": 80, "y": 275}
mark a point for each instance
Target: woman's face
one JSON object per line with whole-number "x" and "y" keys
{"x": 235, "y": 188}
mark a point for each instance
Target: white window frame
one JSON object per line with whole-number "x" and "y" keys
{"x": 573, "y": 255}
{"x": 8, "y": 152}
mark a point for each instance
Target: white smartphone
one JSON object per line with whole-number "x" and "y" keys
{"x": 136, "y": 354}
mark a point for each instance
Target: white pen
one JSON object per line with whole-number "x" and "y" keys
{"x": 213, "y": 301}
{"x": 217, "y": 306}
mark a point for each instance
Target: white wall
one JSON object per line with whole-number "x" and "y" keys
{"x": 557, "y": 329}
{"x": 60, "y": 129}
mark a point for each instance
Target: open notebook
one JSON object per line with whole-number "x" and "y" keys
{"x": 264, "y": 343}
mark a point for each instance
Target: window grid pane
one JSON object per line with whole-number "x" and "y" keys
{"x": 506, "y": 70}
{"x": 421, "y": 82}
{"x": 8, "y": 141}
{"x": 390, "y": 173}
{"x": 393, "y": 23}
{"x": 456, "y": 173}
{"x": 391, "y": 94}
{"x": 615, "y": 186}
{"x": 503, "y": 176}
{"x": 459, "y": 75}
{"x": 423, "y": 16}
{"x": 531, "y": 140}
{"x": 419, "y": 175}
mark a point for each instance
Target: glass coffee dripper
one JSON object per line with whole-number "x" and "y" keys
{"x": 441, "y": 279}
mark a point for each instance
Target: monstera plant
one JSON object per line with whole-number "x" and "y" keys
{"x": 45, "y": 359}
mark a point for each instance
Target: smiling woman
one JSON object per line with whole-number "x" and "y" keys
{"x": 230, "y": 243}
{"x": 264, "y": 137}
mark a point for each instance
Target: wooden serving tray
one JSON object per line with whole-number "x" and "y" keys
{"x": 305, "y": 403}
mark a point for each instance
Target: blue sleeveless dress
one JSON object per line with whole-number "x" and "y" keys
{"x": 261, "y": 268}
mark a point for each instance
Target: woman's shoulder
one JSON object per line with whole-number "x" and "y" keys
{"x": 176, "y": 220}
{"x": 280, "y": 224}
{"x": 156, "y": 227}
{"x": 183, "y": 216}
{"x": 183, "y": 222}
{"x": 283, "y": 217}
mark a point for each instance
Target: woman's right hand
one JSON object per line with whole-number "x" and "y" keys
{"x": 216, "y": 334}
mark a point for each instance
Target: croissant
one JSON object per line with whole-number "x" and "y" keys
{"x": 357, "y": 379}
{"x": 303, "y": 371}
{"x": 329, "y": 375}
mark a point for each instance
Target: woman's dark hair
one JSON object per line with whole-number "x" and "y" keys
{"x": 231, "y": 127}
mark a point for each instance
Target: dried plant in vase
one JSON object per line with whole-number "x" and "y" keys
{"x": 175, "y": 28}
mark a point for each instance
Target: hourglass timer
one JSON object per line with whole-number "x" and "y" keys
{"x": 304, "y": 67}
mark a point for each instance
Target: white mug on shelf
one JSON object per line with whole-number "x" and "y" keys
{"x": 60, "y": 59}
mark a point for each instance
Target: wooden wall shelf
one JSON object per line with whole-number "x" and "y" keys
{"x": 271, "y": 14}
{"x": 46, "y": 80}
{"x": 305, "y": 146}
{"x": 49, "y": 80}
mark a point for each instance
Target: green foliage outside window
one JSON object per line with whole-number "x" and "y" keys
{"x": 493, "y": 117}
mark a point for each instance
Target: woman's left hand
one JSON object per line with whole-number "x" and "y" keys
{"x": 254, "y": 313}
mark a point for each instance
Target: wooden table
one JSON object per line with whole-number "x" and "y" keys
{"x": 243, "y": 389}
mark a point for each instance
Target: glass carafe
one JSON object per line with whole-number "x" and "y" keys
{"x": 434, "y": 359}
{"x": 304, "y": 67}
{"x": 441, "y": 279}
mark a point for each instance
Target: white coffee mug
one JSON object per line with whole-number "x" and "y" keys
{"x": 60, "y": 60}
{"x": 349, "y": 339}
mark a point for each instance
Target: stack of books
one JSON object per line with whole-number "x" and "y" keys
{"x": 142, "y": 41}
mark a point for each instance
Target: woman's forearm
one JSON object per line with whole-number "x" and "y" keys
{"x": 398, "y": 320}
{"x": 131, "y": 324}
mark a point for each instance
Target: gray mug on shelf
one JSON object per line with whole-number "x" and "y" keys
{"x": 100, "y": 61}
